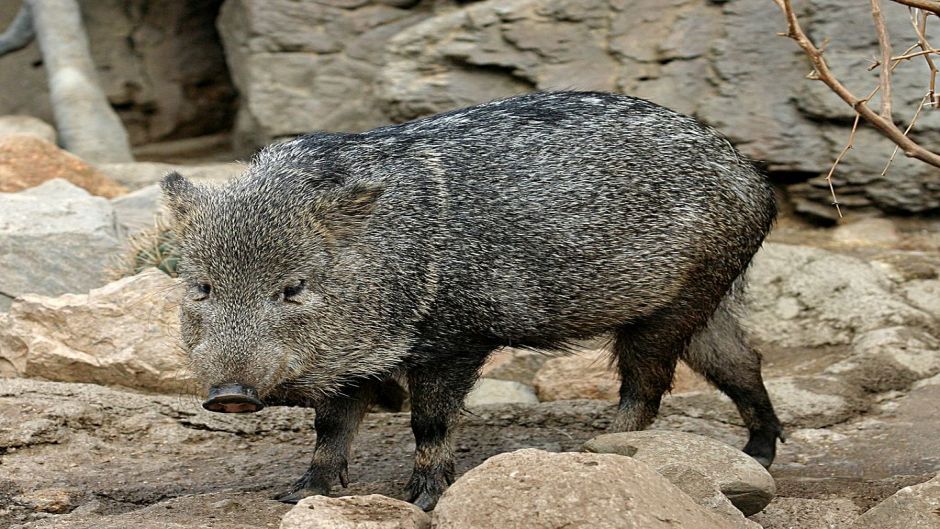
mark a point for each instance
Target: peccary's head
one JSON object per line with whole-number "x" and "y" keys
{"x": 269, "y": 263}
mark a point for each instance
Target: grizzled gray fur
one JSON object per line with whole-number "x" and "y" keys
{"x": 339, "y": 261}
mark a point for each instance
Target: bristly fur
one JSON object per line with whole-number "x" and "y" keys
{"x": 533, "y": 220}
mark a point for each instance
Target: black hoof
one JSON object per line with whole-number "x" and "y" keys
{"x": 762, "y": 446}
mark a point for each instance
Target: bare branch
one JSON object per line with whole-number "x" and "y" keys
{"x": 884, "y": 43}
{"x": 848, "y": 145}
{"x": 908, "y": 129}
{"x": 927, "y": 5}
{"x": 919, "y": 21}
{"x": 20, "y": 33}
{"x": 884, "y": 125}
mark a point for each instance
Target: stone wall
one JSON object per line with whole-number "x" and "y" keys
{"x": 160, "y": 64}
{"x": 355, "y": 64}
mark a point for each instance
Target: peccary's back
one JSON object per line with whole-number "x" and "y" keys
{"x": 558, "y": 214}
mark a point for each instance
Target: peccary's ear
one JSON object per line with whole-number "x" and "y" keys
{"x": 344, "y": 210}
{"x": 179, "y": 194}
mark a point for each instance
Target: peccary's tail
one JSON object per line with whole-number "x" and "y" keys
{"x": 722, "y": 354}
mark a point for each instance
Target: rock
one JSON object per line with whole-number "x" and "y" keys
{"x": 867, "y": 232}
{"x": 492, "y": 391}
{"x": 804, "y": 513}
{"x": 535, "y": 489}
{"x": 890, "y": 359}
{"x": 354, "y": 512}
{"x": 53, "y": 501}
{"x": 925, "y": 295}
{"x": 744, "y": 481}
{"x": 54, "y": 239}
{"x": 163, "y": 68}
{"x": 807, "y": 297}
{"x": 302, "y": 66}
{"x": 123, "y": 334}
{"x": 510, "y": 363}
{"x": 582, "y": 375}
{"x": 914, "y": 507}
{"x": 27, "y": 161}
{"x": 139, "y": 210}
{"x": 14, "y": 125}
{"x": 805, "y": 401}
{"x": 142, "y": 174}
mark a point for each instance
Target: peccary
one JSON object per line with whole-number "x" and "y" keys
{"x": 339, "y": 261}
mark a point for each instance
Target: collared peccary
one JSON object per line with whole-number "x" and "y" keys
{"x": 339, "y": 261}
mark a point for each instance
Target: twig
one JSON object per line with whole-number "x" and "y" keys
{"x": 885, "y": 126}
{"x": 884, "y": 43}
{"x": 848, "y": 145}
{"x": 910, "y": 125}
{"x": 927, "y": 5}
{"x": 919, "y": 21}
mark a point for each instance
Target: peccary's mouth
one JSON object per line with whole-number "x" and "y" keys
{"x": 233, "y": 398}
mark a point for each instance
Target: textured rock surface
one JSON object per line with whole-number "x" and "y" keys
{"x": 11, "y": 125}
{"x": 804, "y": 513}
{"x": 491, "y": 391}
{"x": 123, "y": 334}
{"x": 54, "y": 239}
{"x": 915, "y": 507}
{"x": 138, "y": 210}
{"x": 355, "y": 512}
{"x": 536, "y": 489}
{"x": 141, "y": 174}
{"x": 27, "y": 161}
{"x": 746, "y": 484}
{"x": 302, "y": 66}
{"x": 582, "y": 375}
{"x": 160, "y": 63}
{"x": 808, "y": 297}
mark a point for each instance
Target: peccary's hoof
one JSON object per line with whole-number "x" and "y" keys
{"x": 233, "y": 398}
{"x": 293, "y": 496}
{"x": 425, "y": 501}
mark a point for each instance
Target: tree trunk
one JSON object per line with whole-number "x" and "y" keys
{"x": 86, "y": 123}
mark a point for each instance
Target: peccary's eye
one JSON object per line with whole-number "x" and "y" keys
{"x": 295, "y": 289}
{"x": 203, "y": 290}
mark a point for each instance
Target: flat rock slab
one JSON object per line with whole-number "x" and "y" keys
{"x": 372, "y": 511}
{"x": 741, "y": 479}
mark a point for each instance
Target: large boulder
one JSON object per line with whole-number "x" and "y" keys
{"x": 914, "y": 507}
{"x": 54, "y": 239}
{"x": 533, "y": 489}
{"x": 27, "y": 161}
{"x": 800, "y": 296}
{"x": 373, "y": 511}
{"x": 739, "y": 477}
{"x": 302, "y": 66}
{"x": 123, "y": 334}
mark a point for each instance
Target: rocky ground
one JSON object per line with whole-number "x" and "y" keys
{"x": 99, "y": 428}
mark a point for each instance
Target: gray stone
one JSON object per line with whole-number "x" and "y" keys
{"x": 510, "y": 363}
{"x": 535, "y": 489}
{"x": 355, "y": 512}
{"x": 745, "y": 482}
{"x": 807, "y": 297}
{"x": 26, "y": 125}
{"x": 805, "y": 513}
{"x": 914, "y": 507}
{"x": 142, "y": 174}
{"x": 54, "y": 239}
{"x": 925, "y": 295}
{"x": 867, "y": 232}
{"x": 302, "y": 66}
{"x": 138, "y": 210}
{"x": 891, "y": 358}
{"x": 492, "y": 391}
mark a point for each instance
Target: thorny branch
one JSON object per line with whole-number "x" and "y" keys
{"x": 881, "y": 120}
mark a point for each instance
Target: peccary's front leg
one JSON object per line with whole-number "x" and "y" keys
{"x": 336, "y": 422}
{"x": 437, "y": 396}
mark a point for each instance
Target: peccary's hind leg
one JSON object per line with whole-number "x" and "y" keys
{"x": 721, "y": 353}
{"x": 646, "y": 353}
{"x": 437, "y": 396}
{"x": 337, "y": 421}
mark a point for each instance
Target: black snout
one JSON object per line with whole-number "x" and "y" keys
{"x": 233, "y": 398}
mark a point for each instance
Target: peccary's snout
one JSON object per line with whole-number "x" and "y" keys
{"x": 233, "y": 398}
